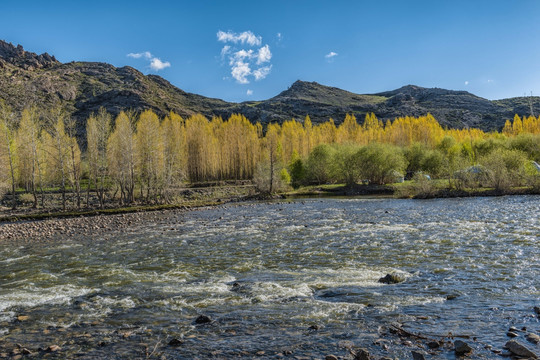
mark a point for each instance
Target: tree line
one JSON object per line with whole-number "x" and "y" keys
{"x": 140, "y": 157}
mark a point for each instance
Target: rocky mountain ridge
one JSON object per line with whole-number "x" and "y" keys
{"x": 82, "y": 87}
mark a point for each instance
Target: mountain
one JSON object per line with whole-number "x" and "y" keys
{"x": 82, "y": 87}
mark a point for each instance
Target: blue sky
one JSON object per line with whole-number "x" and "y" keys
{"x": 489, "y": 48}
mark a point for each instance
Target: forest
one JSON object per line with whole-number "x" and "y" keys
{"x": 140, "y": 158}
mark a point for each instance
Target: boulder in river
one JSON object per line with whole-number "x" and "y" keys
{"x": 462, "y": 348}
{"x": 519, "y": 349}
{"x": 537, "y": 310}
{"x": 392, "y": 279}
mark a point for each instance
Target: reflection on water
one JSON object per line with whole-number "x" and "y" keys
{"x": 266, "y": 273}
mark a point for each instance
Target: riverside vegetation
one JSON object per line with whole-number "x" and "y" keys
{"x": 140, "y": 159}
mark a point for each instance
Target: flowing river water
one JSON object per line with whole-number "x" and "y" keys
{"x": 284, "y": 279}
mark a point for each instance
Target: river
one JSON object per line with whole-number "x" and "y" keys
{"x": 281, "y": 279}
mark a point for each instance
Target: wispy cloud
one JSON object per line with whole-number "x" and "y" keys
{"x": 249, "y": 92}
{"x": 145, "y": 54}
{"x": 155, "y": 63}
{"x": 248, "y": 60}
{"x": 466, "y": 82}
{"x": 331, "y": 55}
{"x": 242, "y": 38}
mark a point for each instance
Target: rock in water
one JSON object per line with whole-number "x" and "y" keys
{"x": 520, "y": 349}
{"x": 535, "y": 339}
{"x": 362, "y": 354}
{"x": 203, "y": 319}
{"x": 53, "y": 348}
{"x": 175, "y": 342}
{"x": 331, "y": 357}
{"x": 537, "y": 310}
{"x": 391, "y": 279}
{"x": 417, "y": 355}
{"x": 462, "y": 348}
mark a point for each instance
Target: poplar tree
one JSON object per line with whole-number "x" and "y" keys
{"x": 7, "y": 146}
{"x": 98, "y": 130}
{"x": 121, "y": 157}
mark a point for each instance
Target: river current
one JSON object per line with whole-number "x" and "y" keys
{"x": 283, "y": 279}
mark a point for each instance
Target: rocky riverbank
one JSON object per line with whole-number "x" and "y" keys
{"x": 56, "y": 228}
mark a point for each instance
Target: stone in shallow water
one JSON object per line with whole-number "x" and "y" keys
{"x": 520, "y": 349}
{"x": 391, "y": 279}
{"x": 535, "y": 339}
{"x": 362, "y": 354}
{"x": 203, "y": 319}
{"x": 512, "y": 334}
{"x": 175, "y": 342}
{"x": 462, "y": 348}
{"x": 417, "y": 355}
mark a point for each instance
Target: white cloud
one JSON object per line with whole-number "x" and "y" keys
{"x": 331, "y": 54}
{"x": 490, "y": 81}
{"x": 249, "y": 92}
{"x": 240, "y": 71}
{"x": 145, "y": 54}
{"x": 279, "y": 37}
{"x": 466, "y": 83}
{"x": 249, "y": 60}
{"x": 264, "y": 55}
{"x": 261, "y": 73}
{"x": 242, "y": 38}
{"x": 155, "y": 63}
{"x": 226, "y": 49}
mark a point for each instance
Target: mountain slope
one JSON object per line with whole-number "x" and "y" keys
{"x": 82, "y": 87}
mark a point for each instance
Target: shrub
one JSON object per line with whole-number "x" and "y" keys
{"x": 506, "y": 168}
{"x": 378, "y": 163}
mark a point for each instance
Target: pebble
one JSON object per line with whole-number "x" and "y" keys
{"x": 512, "y": 334}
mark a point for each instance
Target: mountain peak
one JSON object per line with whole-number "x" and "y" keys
{"x": 16, "y": 55}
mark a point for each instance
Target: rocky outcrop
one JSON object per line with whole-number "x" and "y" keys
{"x": 17, "y": 56}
